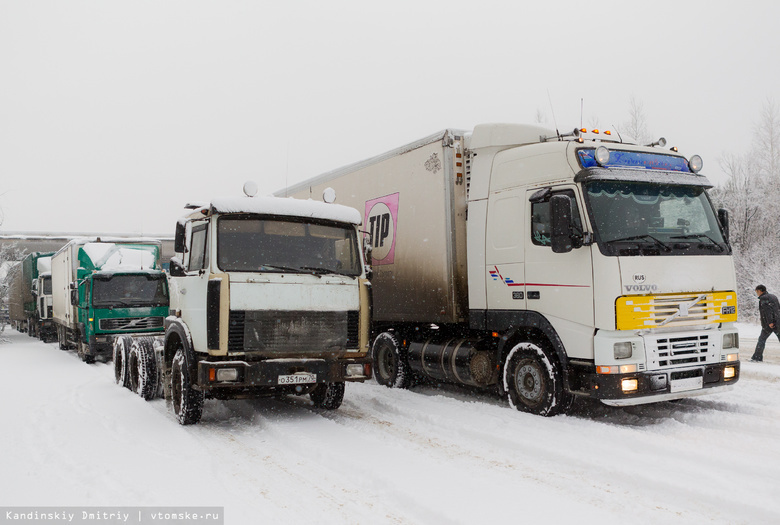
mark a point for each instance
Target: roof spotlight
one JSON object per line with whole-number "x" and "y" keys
{"x": 602, "y": 155}
{"x": 695, "y": 163}
{"x": 660, "y": 142}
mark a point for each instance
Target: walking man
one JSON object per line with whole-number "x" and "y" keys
{"x": 769, "y": 308}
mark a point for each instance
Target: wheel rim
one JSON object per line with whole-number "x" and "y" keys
{"x": 385, "y": 362}
{"x": 528, "y": 382}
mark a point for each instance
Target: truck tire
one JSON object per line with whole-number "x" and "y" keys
{"x": 61, "y": 338}
{"x": 391, "y": 367}
{"x": 328, "y": 395}
{"x": 142, "y": 368}
{"x": 187, "y": 402}
{"x": 120, "y": 356}
{"x": 533, "y": 381}
{"x": 84, "y": 353}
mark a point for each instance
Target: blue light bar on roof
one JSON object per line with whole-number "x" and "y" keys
{"x": 634, "y": 159}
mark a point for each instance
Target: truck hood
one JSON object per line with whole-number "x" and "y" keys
{"x": 658, "y": 275}
{"x": 293, "y": 292}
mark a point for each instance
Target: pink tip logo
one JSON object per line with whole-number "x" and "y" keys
{"x": 381, "y": 220}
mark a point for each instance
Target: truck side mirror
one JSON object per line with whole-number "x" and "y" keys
{"x": 74, "y": 297}
{"x": 723, "y": 218}
{"x": 176, "y": 269}
{"x": 560, "y": 214}
{"x": 179, "y": 241}
{"x": 368, "y": 246}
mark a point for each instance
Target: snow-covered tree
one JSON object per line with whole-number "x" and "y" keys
{"x": 752, "y": 196}
{"x": 636, "y": 126}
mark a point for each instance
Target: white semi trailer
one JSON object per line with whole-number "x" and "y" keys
{"x": 545, "y": 266}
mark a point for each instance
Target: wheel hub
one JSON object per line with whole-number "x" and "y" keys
{"x": 528, "y": 381}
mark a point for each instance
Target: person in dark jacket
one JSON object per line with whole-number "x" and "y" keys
{"x": 769, "y": 308}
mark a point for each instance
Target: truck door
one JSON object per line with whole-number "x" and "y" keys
{"x": 504, "y": 247}
{"x": 559, "y": 285}
{"x": 194, "y": 284}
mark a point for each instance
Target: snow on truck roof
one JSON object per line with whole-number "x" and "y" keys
{"x": 287, "y": 207}
{"x": 111, "y": 257}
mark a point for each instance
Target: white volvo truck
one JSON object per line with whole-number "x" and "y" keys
{"x": 269, "y": 297}
{"x": 545, "y": 266}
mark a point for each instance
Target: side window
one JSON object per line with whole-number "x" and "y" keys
{"x": 198, "y": 248}
{"x": 540, "y": 218}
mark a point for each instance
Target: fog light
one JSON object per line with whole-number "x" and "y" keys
{"x": 622, "y": 350}
{"x": 629, "y": 385}
{"x": 729, "y": 373}
{"x": 730, "y": 341}
{"x": 354, "y": 370}
{"x": 227, "y": 374}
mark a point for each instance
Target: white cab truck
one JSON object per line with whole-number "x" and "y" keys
{"x": 545, "y": 266}
{"x": 269, "y": 297}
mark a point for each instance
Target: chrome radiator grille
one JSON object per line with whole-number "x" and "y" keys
{"x": 679, "y": 350}
{"x": 131, "y": 323}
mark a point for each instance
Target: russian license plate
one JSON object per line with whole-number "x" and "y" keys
{"x": 689, "y": 383}
{"x": 298, "y": 379}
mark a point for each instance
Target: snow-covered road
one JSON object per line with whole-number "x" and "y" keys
{"x": 70, "y": 436}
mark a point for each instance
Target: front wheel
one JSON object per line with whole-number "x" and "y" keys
{"x": 533, "y": 381}
{"x": 187, "y": 402}
{"x": 328, "y": 395}
{"x": 120, "y": 355}
{"x": 391, "y": 366}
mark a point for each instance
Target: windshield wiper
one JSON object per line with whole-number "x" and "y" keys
{"x": 658, "y": 242}
{"x": 322, "y": 271}
{"x": 700, "y": 236}
{"x": 282, "y": 268}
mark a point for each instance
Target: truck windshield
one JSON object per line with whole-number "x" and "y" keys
{"x": 47, "y": 285}
{"x": 256, "y": 244}
{"x": 635, "y": 218}
{"x": 120, "y": 291}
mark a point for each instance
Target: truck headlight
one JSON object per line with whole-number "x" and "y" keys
{"x": 629, "y": 385}
{"x": 354, "y": 370}
{"x": 730, "y": 340}
{"x": 622, "y": 350}
{"x": 227, "y": 374}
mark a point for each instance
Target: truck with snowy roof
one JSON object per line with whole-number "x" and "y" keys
{"x": 545, "y": 266}
{"x": 110, "y": 294}
{"x": 31, "y": 296}
{"x": 269, "y": 297}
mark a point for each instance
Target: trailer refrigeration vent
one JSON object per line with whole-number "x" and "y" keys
{"x": 681, "y": 350}
{"x": 294, "y": 332}
{"x": 131, "y": 323}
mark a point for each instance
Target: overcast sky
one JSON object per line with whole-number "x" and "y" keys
{"x": 114, "y": 114}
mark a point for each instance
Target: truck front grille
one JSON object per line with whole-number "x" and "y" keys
{"x": 640, "y": 312}
{"x": 679, "y": 350}
{"x": 301, "y": 332}
{"x": 131, "y": 323}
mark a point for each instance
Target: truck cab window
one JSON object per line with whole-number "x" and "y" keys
{"x": 541, "y": 225}
{"x": 198, "y": 248}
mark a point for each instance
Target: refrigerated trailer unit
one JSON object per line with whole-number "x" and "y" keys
{"x": 545, "y": 266}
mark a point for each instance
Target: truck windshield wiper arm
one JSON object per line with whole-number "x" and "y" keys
{"x": 700, "y": 236}
{"x": 639, "y": 237}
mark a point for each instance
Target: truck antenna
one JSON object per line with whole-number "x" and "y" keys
{"x": 582, "y": 107}
{"x": 552, "y": 110}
